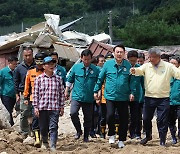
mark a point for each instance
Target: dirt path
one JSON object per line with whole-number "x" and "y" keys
{"x": 11, "y": 143}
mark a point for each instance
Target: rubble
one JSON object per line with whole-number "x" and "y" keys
{"x": 50, "y": 36}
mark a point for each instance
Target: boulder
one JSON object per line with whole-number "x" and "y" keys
{"x": 4, "y": 117}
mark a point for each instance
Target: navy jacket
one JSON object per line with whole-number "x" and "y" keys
{"x": 20, "y": 76}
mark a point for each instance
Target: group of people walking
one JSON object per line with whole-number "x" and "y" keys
{"x": 37, "y": 85}
{"x": 113, "y": 95}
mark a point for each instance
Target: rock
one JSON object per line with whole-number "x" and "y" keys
{"x": 3, "y": 153}
{"x": 4, "y": 117}
{"x": 3, "y": 145}
{"x": 14, "y": 136}
{"x": 29, "y": 141}
{"x": 1, "y": 139}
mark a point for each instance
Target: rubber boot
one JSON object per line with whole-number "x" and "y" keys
{"x": 103, "y": 132}
{"x": 117, "y": 130}
{"x": 37, "y": 139}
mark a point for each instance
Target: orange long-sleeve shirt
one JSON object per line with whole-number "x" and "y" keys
{"x": 103, "y": 100}
{"x": 29, "y": 83}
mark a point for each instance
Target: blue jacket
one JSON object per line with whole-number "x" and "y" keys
{"x": 20, "y": 76}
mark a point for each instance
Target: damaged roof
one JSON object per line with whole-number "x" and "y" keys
{"x": 68, "y": 44}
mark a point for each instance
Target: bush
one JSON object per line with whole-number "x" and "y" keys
{"x": 144, "y": 33}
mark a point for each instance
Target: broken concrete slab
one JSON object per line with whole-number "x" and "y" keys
{"x": 66, "y": 51}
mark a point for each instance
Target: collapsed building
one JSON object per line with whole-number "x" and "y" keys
{"x": 48, "y": 36}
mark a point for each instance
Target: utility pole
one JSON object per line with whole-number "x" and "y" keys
{"x": 22, "y": 26}
{"x": 133, "y": 8}
{"x": 110, "y": 26}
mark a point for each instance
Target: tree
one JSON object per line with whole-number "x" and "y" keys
{"x": 143, "y": 33}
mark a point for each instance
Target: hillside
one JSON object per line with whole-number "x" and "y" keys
{"x": 138, "y": 23}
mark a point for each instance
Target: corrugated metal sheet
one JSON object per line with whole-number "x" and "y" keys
{"x": 100, "y": 48}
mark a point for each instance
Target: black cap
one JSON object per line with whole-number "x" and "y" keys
{"x": 109, "y": 56}
{"x": 39, "y": 57}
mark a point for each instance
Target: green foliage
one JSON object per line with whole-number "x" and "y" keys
{"x": 161, "y": 27}
{"x": 65, "y": 8}
{"x": 138, "y": 23}
{"x": 149, "y": 5}
{"x": 170, "y": 13}
{"x": 37, "y": 8}
{"x": 144, "y": 33}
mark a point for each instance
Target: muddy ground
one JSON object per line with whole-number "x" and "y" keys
{"x": 12, "y": 143}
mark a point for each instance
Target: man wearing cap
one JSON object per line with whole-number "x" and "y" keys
{"x": 84, "y": 76}
{"x": 28, "y": 90}
{"x": 157, "y": 75}
{"x": 109, "y": 56}
{"x": 19, "y": 80}
{"x": 48, "y": 102}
